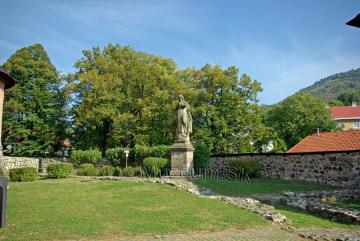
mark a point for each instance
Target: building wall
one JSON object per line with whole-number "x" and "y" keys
{"x": 335, "y": 168}
{"x": 347, "y": 124}
{"x": 7, "y": 163}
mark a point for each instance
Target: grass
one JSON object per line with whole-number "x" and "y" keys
{"x": 349, "y": 204}
{"x": 274, "y": 186}
{"x": 259, "y": 186}
{"x": 77, "y": 209}
{"x": 301, "y": 219}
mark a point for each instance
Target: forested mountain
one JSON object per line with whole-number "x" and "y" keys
{"x": 331, "y": 87}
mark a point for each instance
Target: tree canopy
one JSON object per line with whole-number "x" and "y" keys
{"x": 34, "y": 108}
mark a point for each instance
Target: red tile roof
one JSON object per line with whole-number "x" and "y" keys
{"x": 345, "y": 112}
{"x": 329, "y": 141}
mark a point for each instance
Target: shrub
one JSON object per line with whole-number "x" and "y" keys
{"x": 154, "y": 165}
{"x": 142, "y": 152}
{"x": 106, "y": 171}
{"x": 128, "y": 172}
{"x": 59, "y": 170}
{"x": 117, "y": 172}
{"x": 86, "y": 170}
{"x": 252, "y": 168}
{"x": 24, "y": 174}
{"x": 2, "y": 173}
{"x": 138, "y": 171}
{"x": 115, "y": 156}
{"x": 79, "y": 157}
{"x": 201, "y": 156}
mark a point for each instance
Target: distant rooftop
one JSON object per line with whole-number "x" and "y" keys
{"x": 329, "y": 141}
{"x": 345, "y": 112}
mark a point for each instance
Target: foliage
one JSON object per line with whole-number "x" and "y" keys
{"x": 154, "y": 165}
{"x": 116, "y": 156}
{"x": 224, "y": 108}
{"x": 347, "y": 98}
{"x": 89, "y": 156}
{"x": 86, "y": 170}
{"x": 2, "y": 173}
{"x": 23, "y": 174}
{"x": 123, "y": 97}
{"x": 296, "y": 116}
{"x": 138, "y": 171}
{"x": 201, "y": 156}
{"x": 117, "y": 172}
{"x": 59, "y": 170}
{"x": 250, "y": 167}
{"x": 331, "y": 87}
{"x": 142, "y": 152}
{"x": 34, "y": 110}
{"x": 128, "y": 171}
{"x": 107, "y": 171}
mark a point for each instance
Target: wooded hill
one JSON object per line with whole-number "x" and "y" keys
{"x": 331, "y": 87}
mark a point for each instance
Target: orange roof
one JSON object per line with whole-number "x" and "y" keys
{"x": 329, "y": 141}
{"x": 345, "y": 112}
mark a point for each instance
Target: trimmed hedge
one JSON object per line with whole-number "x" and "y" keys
{"x": 106, "y": 171}
{"x": 154, "y": 165}
{"x": 115, "y": 156}
{"x": 24, "y": 174}
{"x": 251, "y": 168}
{"x": 86, "y": 170}
{"x": 201, "y": 156}
{"x": 59, "y": 170}
{"x": 79, "y": 157}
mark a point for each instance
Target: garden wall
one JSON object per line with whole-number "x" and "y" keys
{"x": 335, "y": 168}
{"x": 10, "y": 162}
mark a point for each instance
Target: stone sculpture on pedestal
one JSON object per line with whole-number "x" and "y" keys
{"x": 182, "y": 151}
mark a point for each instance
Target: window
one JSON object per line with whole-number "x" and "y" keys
{"x": 356, "y": 124}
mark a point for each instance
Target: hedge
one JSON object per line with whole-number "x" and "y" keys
{"x": 251, "y": 168}
{"x": 86, "y": 170}
{"x": 128, "y": 172}
{"x": 59, "y": 170}
{"x": 154, "y": 165}
{"x": 106, "y": 171}
{"x": 24, "y": 174}
{"x": 79, "y": 157}
{"x": 201, "y": 156}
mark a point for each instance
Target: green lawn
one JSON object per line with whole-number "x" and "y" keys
{"x": 258, "y": 186}
{"x": 74, "y": 208}
{"x": 274, "y": 186}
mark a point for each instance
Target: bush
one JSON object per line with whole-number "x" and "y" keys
{"x": 59, "y": 170}
{"x": 106, "y": 171}
{"x": 138, "y": 171}
{"x": 79, "y": 157}
{"x": 24, "y": 174}
{"x": 201, "y": 156}
{"x": 251, "y": 168}
{"x": 154, "y": 165}
{"x": 115, "y": 156}
{"x": 128, "y": 172}
{"x": 142, "y": 152}
{"x": 86, "y": 170}
{"x": 2, "y": 173}
{"x": 117, "y": 172}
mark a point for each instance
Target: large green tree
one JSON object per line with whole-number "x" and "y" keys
{"x": 225, "y": 109}
{"x": 123, "y": 97}
{"x": 34, "y": 109}
{"x": 296, "y": 116}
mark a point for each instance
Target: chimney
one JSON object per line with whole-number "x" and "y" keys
{"x": 353, "y": 104}
{"x": 315, "y": 132}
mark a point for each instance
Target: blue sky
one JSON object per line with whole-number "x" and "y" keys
{"x": 284, "y": 44}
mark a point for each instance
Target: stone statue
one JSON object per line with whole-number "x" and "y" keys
{"x": 184, "y": 121}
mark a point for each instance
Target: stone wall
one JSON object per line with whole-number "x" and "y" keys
{"x": 335, "y": 168}
{"x": 10, "y": 162}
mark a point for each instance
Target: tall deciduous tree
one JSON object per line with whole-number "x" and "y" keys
{"x": 296, "y": 116}
{"x": 123, "y": 97}
{"x": 225, "y": 110}
{"x": 34, "y": 108}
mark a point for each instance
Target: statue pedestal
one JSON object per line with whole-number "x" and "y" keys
{"x": 182, "y": 154}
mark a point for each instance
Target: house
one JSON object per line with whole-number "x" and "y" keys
{"x": 328, "y": 141}
{"x": 346, "y": 117}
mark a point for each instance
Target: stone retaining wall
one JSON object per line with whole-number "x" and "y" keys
{"x": 9, "y": 162}
{"x": 335, "y": 168}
